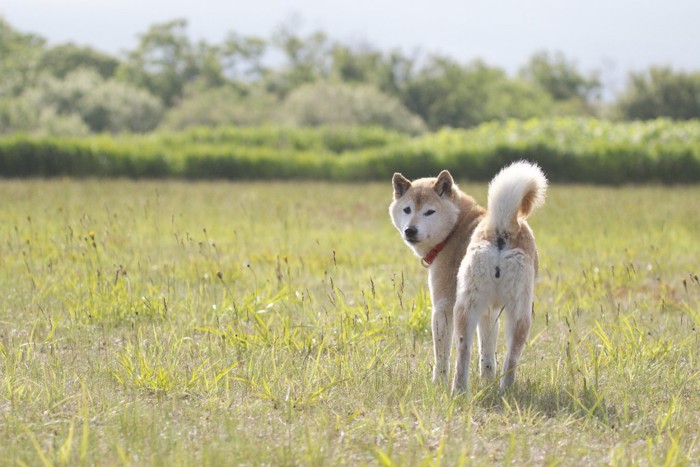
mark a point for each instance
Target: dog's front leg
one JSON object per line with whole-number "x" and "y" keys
{"x": 442, "y": 338}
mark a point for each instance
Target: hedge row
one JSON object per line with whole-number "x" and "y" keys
{"x": 569, "y": 150}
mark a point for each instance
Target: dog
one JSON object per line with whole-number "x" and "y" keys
{"x": 481, "y": 263}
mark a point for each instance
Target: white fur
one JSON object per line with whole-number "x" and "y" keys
{"x": 507, "y": 189}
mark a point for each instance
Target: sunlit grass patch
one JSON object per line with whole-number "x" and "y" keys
{"x": 174, "y": 323}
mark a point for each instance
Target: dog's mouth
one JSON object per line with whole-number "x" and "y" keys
{"x": 412, "y": 240}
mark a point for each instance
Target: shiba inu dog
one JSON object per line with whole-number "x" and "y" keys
{"x": 481, "y": 263}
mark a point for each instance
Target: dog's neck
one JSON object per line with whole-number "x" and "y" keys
{"x": 428, "y": 259}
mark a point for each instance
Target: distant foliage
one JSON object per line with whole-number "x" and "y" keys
{"x": 19, "y": 56}
{"x": 326, "y": 103}
{"x": 446, "y": 93}
{"x": 661, "y": 92}
{"x": 306, "y": 60}
{"x": 221, "y": 106}
{"x": 83, "y": 96}
{"x": 560, "y": 77}
{"x": 581, "y": 150}
{"x": 118, "y": 107}
{"x": 569, "y": 150}
{"x": 61, "y": 60}
{"x": 300, "y": 79}
{"x": 163, "y": 63}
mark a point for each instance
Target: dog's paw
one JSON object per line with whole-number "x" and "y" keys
{"x": 440, "y": 375}
{"x": 459, "y": 390}
{"x": 505, "y": 385}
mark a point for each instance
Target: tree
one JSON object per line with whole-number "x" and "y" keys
{"x": 389, "y": 72}
{"x": 307, "y": 60}
{"x": 165, "y": 62}
{"x": 661, "y": 92}
{"x": 65, "y": 58}
{"x": 19, "y": 55}
{"x": 445, "y": 93}
{"x": 241, "y": 57}
{"x": 560, "y": 77}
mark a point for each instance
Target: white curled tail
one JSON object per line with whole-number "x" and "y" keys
{"x": 515, "y": 192}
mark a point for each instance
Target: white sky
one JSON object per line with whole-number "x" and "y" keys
{"x": 613, "y": 36}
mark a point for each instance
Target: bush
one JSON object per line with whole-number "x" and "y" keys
{"x": 448, "y": 94}
{"x": 324, "y": 103}
{"x": 58, "y": 107}
{"x": 221, "y": 106}
{"x": 117, "y": 107}
{"x": 569, "y": 150}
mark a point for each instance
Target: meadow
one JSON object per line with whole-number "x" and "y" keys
{"x": 273, "y": 323}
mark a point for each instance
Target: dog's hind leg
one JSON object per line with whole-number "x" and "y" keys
{"x": 517, "y": 330}
{"x": 467, "y": 312}
{"x": 488, "y": 338}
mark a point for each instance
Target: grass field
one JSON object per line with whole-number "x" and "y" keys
{"x": 171, "y": 323}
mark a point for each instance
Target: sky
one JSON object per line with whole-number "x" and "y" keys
{"x": 611, "y": 36}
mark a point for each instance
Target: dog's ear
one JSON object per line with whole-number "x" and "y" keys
{"x": 401, "y": 185}
{"x": 444, "y": 183}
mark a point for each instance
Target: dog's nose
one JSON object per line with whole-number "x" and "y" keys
{"x": 410, "y": 232}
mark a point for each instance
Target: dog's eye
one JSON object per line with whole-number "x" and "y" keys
{"x": 407, "y": 210}
{"x": 429, "y": 212}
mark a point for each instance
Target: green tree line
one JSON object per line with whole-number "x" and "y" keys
{"x": 170, "y": 82}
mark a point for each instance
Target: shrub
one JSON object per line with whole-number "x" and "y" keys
{"x": 220, "y": 106}
{"x": 117, "y": 107}
{"x": 448, "y": 94}
{"x": 569, "y": 150}
{"x": 56, "y": 106}
{"x": 326, "y": 103}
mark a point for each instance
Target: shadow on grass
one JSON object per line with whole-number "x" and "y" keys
{"x": 580, "y": 401}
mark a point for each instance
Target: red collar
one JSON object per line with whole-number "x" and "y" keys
{"x": 432, "y": 254}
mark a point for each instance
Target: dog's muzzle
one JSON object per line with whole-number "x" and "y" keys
{"x": 410, "y": 233}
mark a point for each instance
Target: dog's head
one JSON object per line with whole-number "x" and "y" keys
{"x": 424, "y": 210}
